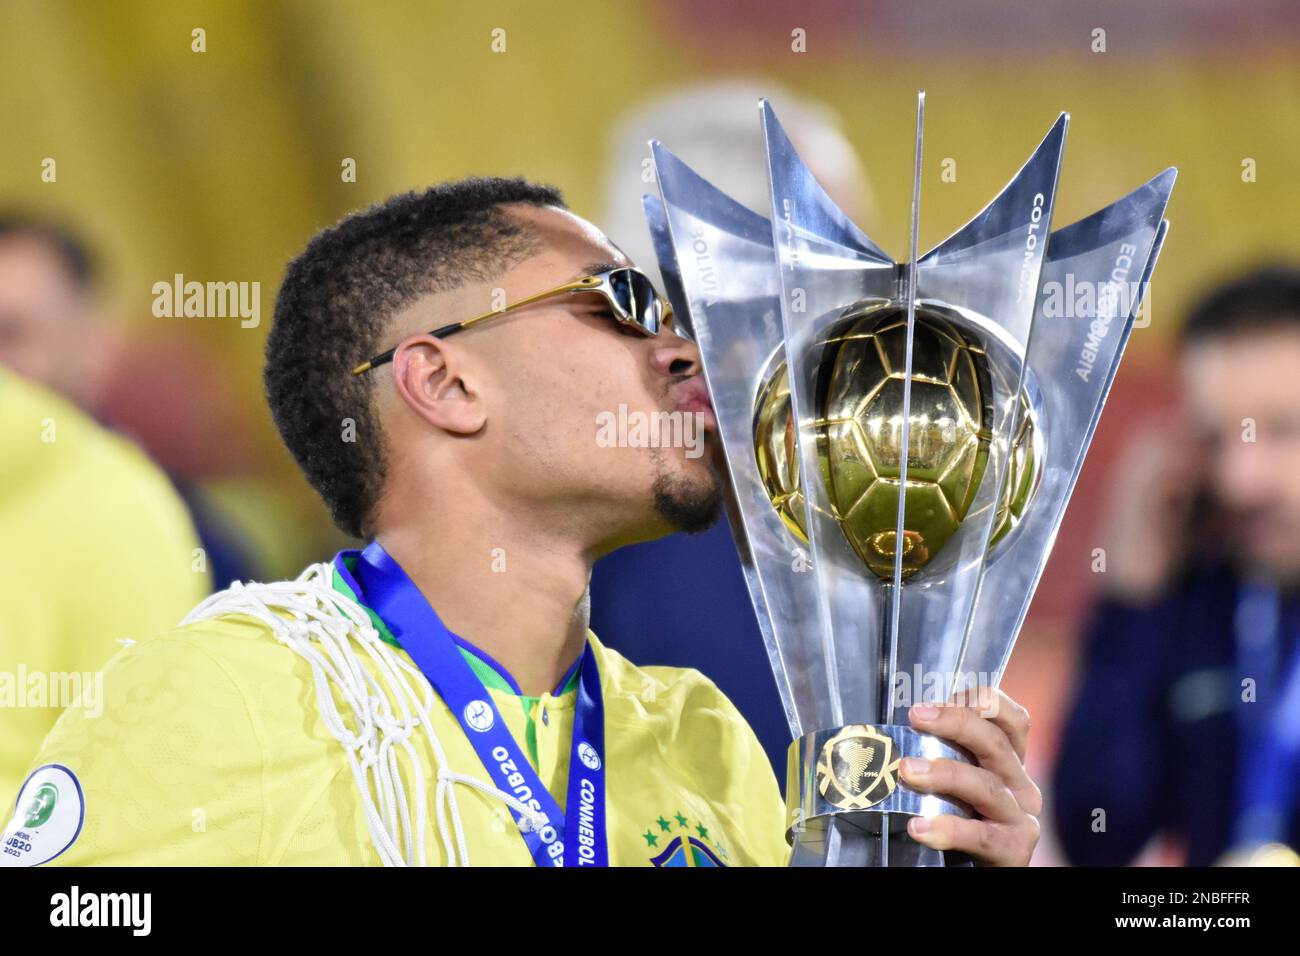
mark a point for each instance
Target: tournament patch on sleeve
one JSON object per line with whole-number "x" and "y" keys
{"x": 47, "y": 818}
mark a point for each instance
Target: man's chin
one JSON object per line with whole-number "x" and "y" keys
{"x": 1270, "y": 555}
{"x": 692, "y": 504}
{"x": 1282, "y": 568}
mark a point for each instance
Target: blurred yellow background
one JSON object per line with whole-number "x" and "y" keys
{"x": 221, "y": 164}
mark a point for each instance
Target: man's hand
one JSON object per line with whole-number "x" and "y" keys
{"x": 1158, "y": 476}
{"x": 994, "y": 729}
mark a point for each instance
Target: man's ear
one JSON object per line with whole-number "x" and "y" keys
{"x": 430, "y": 377}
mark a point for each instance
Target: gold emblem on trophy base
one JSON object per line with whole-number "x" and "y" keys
{"x": 857, "y": 768}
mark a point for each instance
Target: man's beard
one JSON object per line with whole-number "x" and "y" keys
{"x": 688, "y": 505}
{"x": 1280, "y": 569}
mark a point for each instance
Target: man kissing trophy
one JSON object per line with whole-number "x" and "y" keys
{"x": 902, "y": 439}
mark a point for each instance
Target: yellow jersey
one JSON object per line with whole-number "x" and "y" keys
{"x": 98, "y": 550}
{"x": 219, "y": 744}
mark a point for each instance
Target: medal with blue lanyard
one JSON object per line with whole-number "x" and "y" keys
{"x": 577, "y": 839}
{"x": 1269, "y": 728}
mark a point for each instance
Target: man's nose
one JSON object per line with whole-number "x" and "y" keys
{"x": 675, "y": 356}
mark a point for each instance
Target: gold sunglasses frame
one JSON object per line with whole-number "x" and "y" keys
{"x": 600, "y": 282}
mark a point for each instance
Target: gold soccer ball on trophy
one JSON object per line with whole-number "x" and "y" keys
{"x": 859, "y": 386}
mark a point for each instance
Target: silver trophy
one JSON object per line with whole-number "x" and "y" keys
{"x": 902, "y": 440}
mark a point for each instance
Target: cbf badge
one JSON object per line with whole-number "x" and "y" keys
{"x": 47, "y": 819}
{"x": 857, "y": 768}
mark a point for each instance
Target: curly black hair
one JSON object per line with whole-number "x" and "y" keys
{"x": 333, "y": 309}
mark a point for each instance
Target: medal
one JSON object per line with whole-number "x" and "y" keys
{"x": 577, "y": 839}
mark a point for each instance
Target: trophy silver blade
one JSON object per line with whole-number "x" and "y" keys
{"x": 900, "y": 518}
{"x": 978, "y": 287}
{"x": 826, "y": 263}
{"x": 991, "y": 265}
{"x": 657, "y": 220}
{"x": 816, "y": 213}
{"x": 1093, "y": 280}
{"x": 723, "y": 254}
{"x": 900, "y": 522}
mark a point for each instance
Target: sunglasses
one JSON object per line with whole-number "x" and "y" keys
{"x": 632, "y": 297}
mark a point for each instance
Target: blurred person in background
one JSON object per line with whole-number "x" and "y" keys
{"x": 714, "y": 128}
{"x": 101, "y": 549}
{"x": 54, "y": 330}
{"x": 1187, "y": 721}
{"x": 98, "y": 552}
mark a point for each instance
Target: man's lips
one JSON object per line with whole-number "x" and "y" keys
{"x": 693, "y": 396}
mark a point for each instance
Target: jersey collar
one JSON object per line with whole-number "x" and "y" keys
{"x": 489, "y": 671}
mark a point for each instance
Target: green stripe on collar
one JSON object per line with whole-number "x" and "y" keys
{"x": 384, "y": 633}
{"x": 485, "y": 671}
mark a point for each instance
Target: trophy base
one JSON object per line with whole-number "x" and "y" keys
{"x": 848, "y": 805}
{"x": 854, "y": 840}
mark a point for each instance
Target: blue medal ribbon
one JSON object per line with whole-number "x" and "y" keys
{"x": 1269, "y": 728}
{"x": 576, "y": 840}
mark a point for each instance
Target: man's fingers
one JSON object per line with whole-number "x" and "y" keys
{"x": 995, "y": 844}
{"x": 984, "y": 791}
{"x": 987, "y": 741}
{"x": 996, "y": 705}
{"x": 995, "y": 730}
